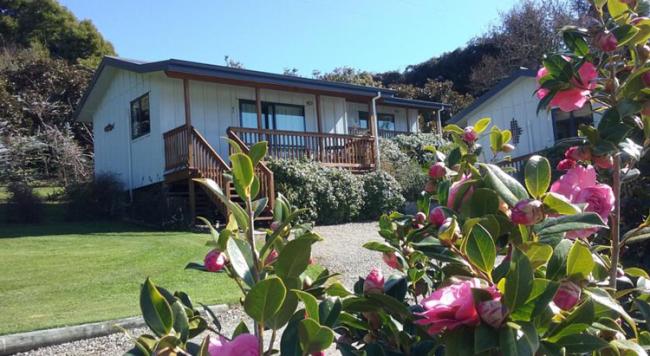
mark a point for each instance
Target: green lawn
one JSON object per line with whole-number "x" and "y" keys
{"x": 69, "y": 273}
{"x": 43, "y": 192}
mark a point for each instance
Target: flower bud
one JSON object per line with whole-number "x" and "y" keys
{"x": 606, "y": 41}
{"x": 604, "y": 162}
{"x": 420, "y": 218}
{"x": 317, "y": 353}
{"x": 492, "y": 312}
{"x": 470, "y": 135}
{"x": 275, "y": 225}
{"x": 567, "y": 295}
{"x": 566, "y": 164}
{"x": 643, "y": 51}
{"x": 646, "y": 79}
{"x": 437, "y": 216}
{"x": 507, "y": 148}
{"x": 214, "y": 261}
{"x": 578, "y": 153}
{"x": 437, "y": 170}
{"x": 448, "y": 231}
{"x": 374, "y": 282}
{"x": 390, "y": 258}
{"x": 527, "y": 212}
{"x": 272, "y": 256}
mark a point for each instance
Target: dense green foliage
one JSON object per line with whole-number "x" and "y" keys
{"x": 333, "y": 195}
{"x": 103, "y": 198}
{"x": 383, "y": 194}
{"x": 46, "y": 24}
{"x": 24, "y": 206}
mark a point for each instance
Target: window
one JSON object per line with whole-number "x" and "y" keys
{"x": 274, "y": 116}
{"x": 384, "y": 121}
{"x": 140, "y": 121}
{"x": 566, "y": 124}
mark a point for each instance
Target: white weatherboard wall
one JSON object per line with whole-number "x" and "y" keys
{"x": 138, "y": 162}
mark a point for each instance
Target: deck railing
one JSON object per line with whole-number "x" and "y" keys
{"x": 382, "y": 133}
{"x": 345, "y": 151}
{"x": 516, "y": 165}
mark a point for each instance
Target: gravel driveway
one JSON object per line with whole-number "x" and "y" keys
{"x": 340, "y": 252}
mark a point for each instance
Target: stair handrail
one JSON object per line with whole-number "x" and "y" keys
{"x": 261, "y": 166}
{"x": 221, "y": 167}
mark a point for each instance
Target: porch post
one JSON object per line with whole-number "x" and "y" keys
{"x": 408, "y": 121}
{"x": 321, "y": 139}
{"x": 190, "y": 148}
{"x": 258, "y": 105}
{"x": 374, "y": 132}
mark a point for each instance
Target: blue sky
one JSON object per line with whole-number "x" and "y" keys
{"x": 271, "y": 35}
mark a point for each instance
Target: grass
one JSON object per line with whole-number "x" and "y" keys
{"x": 43, "y": 192}
{"x": 58, "y": 273}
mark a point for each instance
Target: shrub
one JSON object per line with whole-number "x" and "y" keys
{"x": 405, "y": 170}
{"x": 23, "y": 206}
{"x": 383, "y": 194}
{"x": 330, "y": 195}
{"x": 102, "y": 198}
{"x": 414, "y": 145}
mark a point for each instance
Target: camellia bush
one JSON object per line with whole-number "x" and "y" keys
{"x": 488, "y": 266}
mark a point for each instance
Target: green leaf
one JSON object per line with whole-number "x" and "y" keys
{"x": 181, "y": 322}
{"x": 454, "y": 157}
{"x": 636, "y": 272}
{"x": 507, "y": 341}
{"x": 582, "y": 316}
{"x": 538, "y": 253}
{"x": 624, "y": 33}
{"x": 453, "y": 128}
{"x": 528, "y": 342}
{"x": 482, "y": 124}
{"x": 556, "y": 268}
{"x": 575, "y": 41}
{"x": 314, "y": 337}
{"x": 294, "y": 258}
{"x": 480, "y": 249}
{"x": 258, "y": 151}
{"x": 265, "y": 299}
{"x": 485, "y": 338}
{"x": 288, "y": 307}
{"x": 637, "y": 235}
{"x": 569, "y": 223}
{"x": 496, "y": 139}
{"x": 311, "y": 304}
{"x": 156, "y": 311}
{"x": 519, "y": 281}
{"x": 582, "y": 343}
{"x": 241, "y": 260}
{"x": 537, "y": 175}
{"x": 240, "y": 329}
{"x": 483, "y": 202}
{"x": 557, "y": 203}
{"x": 506, "y": 136}
{"x": 391, "y": 305}
{"x": 379, "y": 247}
{"x": 629, "y": 345}
{"x": 603, "y": 298}
{"x": 204, "y": 349}
{"x": 329, "y": 310}
{"x": 336, "y": 289}
{"x": 243, "y": 173}
{"x": 508, "y": 188}
{"x": 580, "y": 262}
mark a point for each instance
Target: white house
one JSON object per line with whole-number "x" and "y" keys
{"x": 512, "y": 104}
{"x": 164, "y": 122}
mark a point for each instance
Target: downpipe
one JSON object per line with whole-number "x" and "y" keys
{"x": 375, "y": 129}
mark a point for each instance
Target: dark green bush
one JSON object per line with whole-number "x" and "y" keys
{"x": 331, "y": 195}
{"x": 383, "y": 194}
{"x": 104, "y": 198}
{"x": 414, "y": 145}
{"x": 23, "y": 206}
{"x": 405, "y": 170}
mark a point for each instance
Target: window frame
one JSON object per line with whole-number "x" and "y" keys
{"x": 573, "y": 123}
{"x": 139, "y": 101}
{"x": 367, "y": 119}
{"x": 269, "y": 114}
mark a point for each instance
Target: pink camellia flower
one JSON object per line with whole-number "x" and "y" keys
{"x": 579, "y": 185}
{"x": 567, "y": 295}
{"x": 527, "y": 212}
{"x": 566, "y": 164}
{"x": 437, "y": 170}
{"x": 374, "y": 282}
{"x": 603, "y": 162}
{"x": 460, "y": 187}
{"x": 606, "y": 41}
{"x": 272, "y": 256}
{"x": 391, "y": 260}
{"x": 469, "y": 134}
{"x": 214, "y": 261}
{"x": 420, "y": 217}
{"x": 452, "y": 306}
{"x": 242, "y": 345}
{"x": 437, "y": 216}
{"x": 575, "y": 97}
{"x": 492, "y": 312}
{"x": 318, "y": 353}
{"x": 578, "y": 153}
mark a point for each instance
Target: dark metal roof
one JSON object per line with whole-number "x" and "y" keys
{"x": 492, "y": 92}
{"x": 245, "y": 75}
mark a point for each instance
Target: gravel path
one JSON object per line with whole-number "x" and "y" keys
{"x": 340, "y": 252}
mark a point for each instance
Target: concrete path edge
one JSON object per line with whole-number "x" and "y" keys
{"x": 13, "y": 343}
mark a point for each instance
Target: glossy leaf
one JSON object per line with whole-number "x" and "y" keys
{"x": 556, "y": 268}
{"x": 314, "y": 337}
{"x": 582, "y": 343}
{"x": 241, "y": 260}
{"x": 519, "y": 280}
{"x": 480, "y": 249}
{"x": 508, "y": 188}
{"x": 311, "y": 304}
{"x": 265, "y": 299}
{"x": 329, "y": 311}
{"x": 569, "y": 223}
{"x": 294, "y": 258}
{"x": 537, "y": 174}
{"x": 156, "y": 311}
{"x": 580, "y": 263}
{"x": 258, "y": 151}
{"x": 559, "y": 204}
{"x": 537, "y": 253}
{"x": 482, "y": 124}
{"x": 243, "y": 173}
